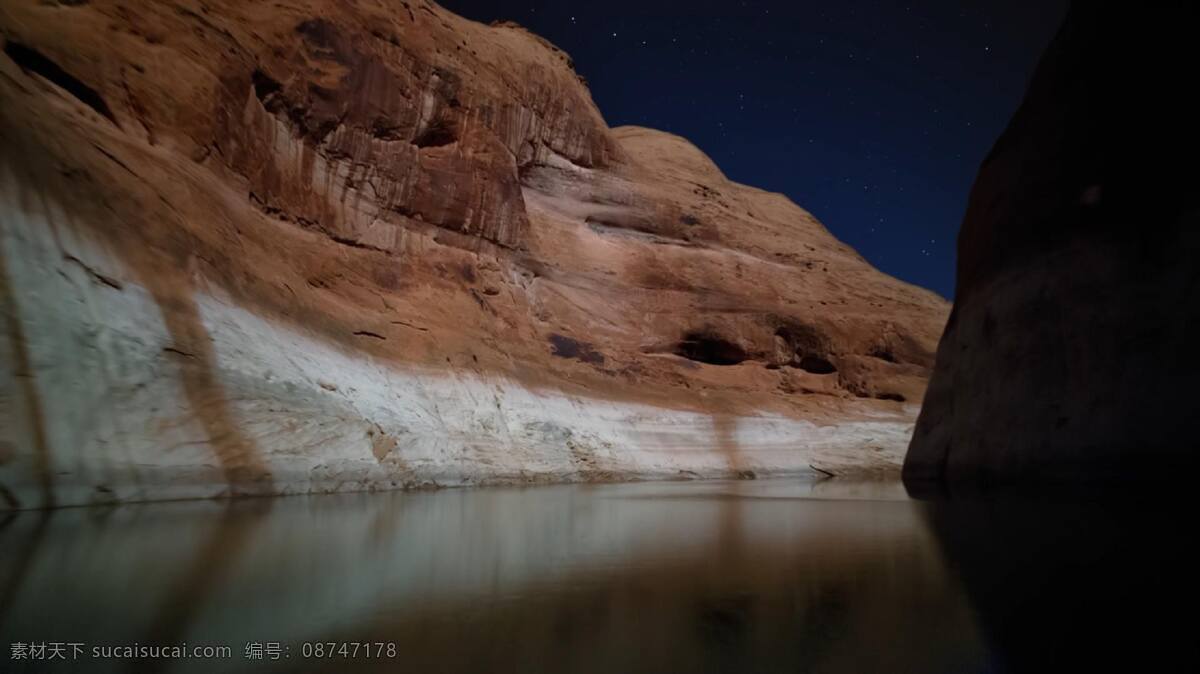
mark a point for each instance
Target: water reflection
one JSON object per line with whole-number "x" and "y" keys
{"x": 1077, "y": 581}
{"x": 741, "y": 576}
{"x": 674, "y": 577}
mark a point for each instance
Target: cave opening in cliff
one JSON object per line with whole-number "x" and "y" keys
{"x": 705, "y": 347}
{"x": 807, "y": 346}
{"x": 32, "y": 60}
{"x": 439, "y": 132}
{"x": 883, "y": 353}
{"x": 816, "y": 365}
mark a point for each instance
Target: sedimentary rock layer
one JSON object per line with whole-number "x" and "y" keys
{"x": 308, "y": 246}
{"x": 1068, "y": 355}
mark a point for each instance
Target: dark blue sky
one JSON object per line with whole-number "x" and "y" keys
{"x": 874, "y": 116}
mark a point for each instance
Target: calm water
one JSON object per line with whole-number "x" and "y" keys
{"x": 677, "y": 577}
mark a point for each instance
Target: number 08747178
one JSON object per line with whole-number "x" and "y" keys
{"x": 348, "y": 649}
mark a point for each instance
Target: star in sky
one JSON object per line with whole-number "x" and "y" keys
{"x": 795, "y": 97}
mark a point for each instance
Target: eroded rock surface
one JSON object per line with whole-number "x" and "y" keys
{"x": 298, "y": 246}
{"x": 1068, "y": 355}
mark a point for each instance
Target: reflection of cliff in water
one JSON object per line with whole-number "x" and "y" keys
{"x": 1075, "y": 582}
{"x": 750, "y": 576}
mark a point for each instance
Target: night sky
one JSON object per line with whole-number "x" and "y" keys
{"x": 873, "y": 116}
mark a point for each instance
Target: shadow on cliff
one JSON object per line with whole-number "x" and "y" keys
{"x": 166, "y": 280}
{"x": 244, "y": 469}
{"x": 725, "y": 434}
{"x": 23, "y": 374}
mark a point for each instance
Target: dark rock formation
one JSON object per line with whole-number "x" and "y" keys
{"x": 1069, "y": 354}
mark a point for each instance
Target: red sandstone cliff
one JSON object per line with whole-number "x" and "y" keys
{"x": 253, "y": 247}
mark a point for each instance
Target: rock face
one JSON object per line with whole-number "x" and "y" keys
{"x": 309, "y": 246}
{"x": 1068, "y": 355}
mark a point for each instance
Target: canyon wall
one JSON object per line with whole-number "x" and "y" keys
{"x": 1068, "y": 355}
{"x": 254, "y": 248}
